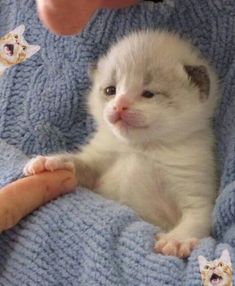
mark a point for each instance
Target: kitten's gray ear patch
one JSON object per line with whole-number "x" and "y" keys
{"x": 199, "y": 76}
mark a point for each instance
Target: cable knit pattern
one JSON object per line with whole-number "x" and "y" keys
{"x": 81, "y": 238}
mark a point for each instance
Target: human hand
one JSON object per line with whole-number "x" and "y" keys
{"x": 21, "y": 197}
{"x": 67, "y": 17}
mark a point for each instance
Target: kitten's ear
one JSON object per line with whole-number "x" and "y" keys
{"x": 202, "y": 261}
{"x": 199, "y": 76}
{"x": 225, "y": 257}
{"x": 32, "y": 49}
{"x": 19, "y": 30}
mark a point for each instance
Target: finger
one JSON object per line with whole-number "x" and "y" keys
{"x": 25, "y": 195}
{"x": 68, "y": 17}
{"x": 117, "y": 3}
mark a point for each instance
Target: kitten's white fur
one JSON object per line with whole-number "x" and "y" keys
{"x": 160, "y": 163}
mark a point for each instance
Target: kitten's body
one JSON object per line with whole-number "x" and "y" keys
{"x": 152, "y": 151}
{"x": 14, "y": 49}
{"x": 149, "y": 178}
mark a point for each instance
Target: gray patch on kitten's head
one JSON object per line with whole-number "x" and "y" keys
{"x": 199, "y": 76}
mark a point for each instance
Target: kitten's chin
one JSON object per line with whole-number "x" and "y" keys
{"x": 128, "y": 133}
{"x": 128, "y": 127}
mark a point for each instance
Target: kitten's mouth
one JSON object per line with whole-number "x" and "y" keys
{"x": 125, "y": 124}
{"x": 126, "y": 121}
{"x": 215, "y": 279}
{"x": 9, "y": 49}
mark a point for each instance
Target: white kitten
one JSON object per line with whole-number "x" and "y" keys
{"x": 153, "y": 98}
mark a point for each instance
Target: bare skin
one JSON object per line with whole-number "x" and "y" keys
{"x": 23, "y": 196}
{"x": 68, "y": 17}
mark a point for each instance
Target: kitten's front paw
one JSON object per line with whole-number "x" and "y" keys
{"x": 171, "y": 246}
{"x": 41, "y": 164}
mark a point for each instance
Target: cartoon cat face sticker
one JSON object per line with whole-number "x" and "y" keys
{"x": 14, "y": 49}
{"x": 217, "y": 272}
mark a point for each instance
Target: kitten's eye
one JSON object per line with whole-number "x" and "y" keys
{"x": 110, "y": 90}
{"x": 207, "y": 267}
{"x": 16, "y": 37}
{"x": 220, "y": 264}
{"x": 24, "y": 48}
{"x": 147, "y": 94}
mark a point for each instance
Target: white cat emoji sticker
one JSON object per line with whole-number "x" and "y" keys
{"x": 14, "y": 49}
{"x": 217, "y": 272}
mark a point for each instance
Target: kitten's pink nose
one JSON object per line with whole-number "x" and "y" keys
{"x": 120, "y": 109}
{"x": 121, "y": 105}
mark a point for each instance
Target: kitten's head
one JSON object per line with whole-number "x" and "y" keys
{"x": 14, "y": 49}
{"x": 153, "y": 86}
{"x": 217, "y": 272}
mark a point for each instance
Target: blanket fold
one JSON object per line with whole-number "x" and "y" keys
{"x": 81, "y": 238}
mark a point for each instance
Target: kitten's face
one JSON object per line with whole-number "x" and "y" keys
{"x": 217, "y": 272}
{"x": 14, "y": 49}
{"x": 143, "y": 93}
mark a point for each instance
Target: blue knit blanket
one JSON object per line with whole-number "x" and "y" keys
{"x": 81, "y": 238}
